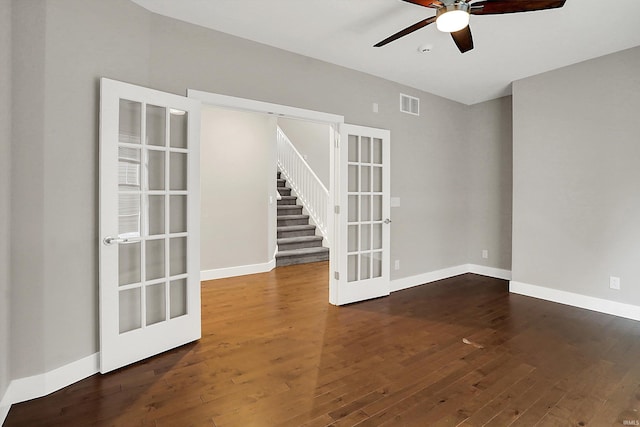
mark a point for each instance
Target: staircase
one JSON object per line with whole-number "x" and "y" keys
{"x": 297, "y": 240}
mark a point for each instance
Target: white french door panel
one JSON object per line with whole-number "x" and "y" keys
{"x": 363, "y": 223}
{"x": 149, "y": 223}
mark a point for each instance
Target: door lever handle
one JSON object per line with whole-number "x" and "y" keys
{"x": 111, "y": 240}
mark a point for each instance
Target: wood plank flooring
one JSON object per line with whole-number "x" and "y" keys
{"x": 275, "y": 353}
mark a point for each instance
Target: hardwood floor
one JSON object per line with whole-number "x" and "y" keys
{"x": 275, "y": 353}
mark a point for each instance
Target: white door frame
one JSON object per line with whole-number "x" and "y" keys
{"x": 333, "y": 120}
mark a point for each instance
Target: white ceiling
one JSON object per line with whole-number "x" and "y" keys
{"x": 507, "y": 47}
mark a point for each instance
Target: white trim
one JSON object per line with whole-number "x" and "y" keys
{"x": 422, "y": 279}
{"x": 445, "y": 273}
{"x": 600, "y": 305}
{"x": 40, "y": 385}
{"x": 483, "y": 270}
{"x": 245, "y": 104}
{"x": 4, "y": 411}
{"x": 240, "y": 270}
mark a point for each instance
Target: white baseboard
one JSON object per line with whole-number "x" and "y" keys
{"x": 241, "y": 270}
{"x": 445, "y": 273}
{"x": 4, "y": 411}
{"x": 482, "y": 270}
{"x": 40, "y": 385}
{"x": 576, "y": 300}
{"x": 421, "y": 279}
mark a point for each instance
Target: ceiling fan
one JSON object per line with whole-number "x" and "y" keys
{"x": 452, "y": 16}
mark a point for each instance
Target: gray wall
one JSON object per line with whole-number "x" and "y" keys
{"x": 238, "y": 172}
{"x": 312, "y": 140}
{"x": 427, "y": 231}
{"x": 27, "y": 276}
{"x": 54, "y": 169}
{"x": 55, "y": 150}
{"x": 5, "y": 195}
{"x": 576, "y": 178}
{"x": 490, "y": 183}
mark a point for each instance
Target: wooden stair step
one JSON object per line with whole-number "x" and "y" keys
{"x": 281, "y": 182}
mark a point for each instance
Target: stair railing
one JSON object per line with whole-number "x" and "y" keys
{"x": 313, "y": 195}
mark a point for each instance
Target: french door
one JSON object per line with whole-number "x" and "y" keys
{"x": 149, "y": 223}
{"x": 363, "y": 219}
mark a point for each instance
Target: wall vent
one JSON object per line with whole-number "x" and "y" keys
{"x": 409, "y": 104}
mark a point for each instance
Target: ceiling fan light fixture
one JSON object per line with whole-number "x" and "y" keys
{"x": 452, "y": 18}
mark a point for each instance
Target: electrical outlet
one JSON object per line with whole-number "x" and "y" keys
{"x": 614, "y": 282}
{"x": 375, "y": 107}
{"x": 485, "y": 254}
{"x": 396, "y": 265}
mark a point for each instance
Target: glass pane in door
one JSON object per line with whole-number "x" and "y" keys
{"x": 178, "y": 298}
{"x": 178, "y": 132}
{"x": 129, "y": 168}
{"x": 156, "y": 170}
{"x": 156, "y": 215}
{"x": 155, "y": 259}
{"x": 156, "y": 125}
{"x": 130, "y": 123}
{"x": 178, "y": 251}
{"x": 129, "y": 215}
{"x": 130, "y": 314}
{"x": 178, "y": 171}
{"x": 129, "y": 269}
{"x": 155, "y": 304}
{"x": 178, "y": 214}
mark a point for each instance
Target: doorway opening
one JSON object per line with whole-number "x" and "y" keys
{"x": 247, "y": 132}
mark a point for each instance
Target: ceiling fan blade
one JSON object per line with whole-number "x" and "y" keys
{"x": 426, "y": 3}
{"x": 406, "y": 31}
{"x": 463, "y": 39}
{"x": 495, "y": 7}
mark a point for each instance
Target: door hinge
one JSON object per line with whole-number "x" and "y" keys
{"x": 336, "y": 275}
{"x": 336, "y": 209}
{"x": 337, "y": 142}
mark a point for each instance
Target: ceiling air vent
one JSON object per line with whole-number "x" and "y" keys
{"x": 409, "y": 104}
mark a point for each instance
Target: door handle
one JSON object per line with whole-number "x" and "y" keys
{"x": 387, "y": 221}
{"x": 111, "y": 240}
